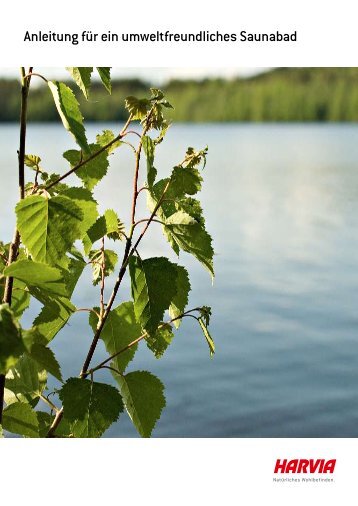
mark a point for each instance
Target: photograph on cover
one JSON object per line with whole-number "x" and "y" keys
{"x": 178, "y": 252}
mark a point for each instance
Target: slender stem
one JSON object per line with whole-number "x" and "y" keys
{"x": 13, "y": 252}
{"x": 50, "y": 403}
{"x": 25, "y": 85}
{"x": 2, "y": 391}
{"x": 147, "y": 219}
{"x": 142, "y": 189}
{"x": 37, "y": 175}
{"x": 103, "y": 266}
{"x": 152, "y": 216}
{"x": 37, "y": 75}
{"x": 88, "y": 310}
{"x": 102, "y": 364}
{"x": 133, "y": 132}
{"x": 112, "y": 369}
{"x": 94, "y": 155}
{"x": 136, "y": 175}
{"x": 55, "y": 423}
{"x": 14, "y": 246}
{"x": 133, "y": 343}
{"x": 107, "y": 310}
{"x": 136, "y": 171}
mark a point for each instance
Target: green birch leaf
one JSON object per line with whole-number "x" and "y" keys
{"x": 149, "y": 149}
{"x": 11, "y": 343}
{"x": 185, "y": 233}
{"x": 105, "y": 75}
{"x": 20, "y": 299}
{"x": 180, "y": 299}
{"x": 119, "y": 330}
{"x": 90, "y": 407}
{"x": 163, "y": 131}
{"x": 167, "y": 208}
{"x": 64, "y": 429}
{"x": 32, "y": 161}
{"x": 106, "y": 225}
{"x": 58, "y": 187}
{"x": 153, "y": 283}
{"x": 25, "y": 382}
{"x": 105, "y": 138}
{"x": 110, "y": 261}
{"x": 1, "y": 432}
{"x": 48, "y": 227}
{"x": 185, "y": 181}
{"x": 75, "y": 268}
{"x": 156, "y": 94}
{"x": 205, "y": 314}
{"x": 69, "y": 111}
{"x": 38, "y": 275}
{"x": 20, "y": 418}
{"x": 32, "y": 336}
{"x": 119, "y": 233}
{"x": 82, "y": 77}
{"x": 75, "y": 253}
{"x": 194, "y": 158}
{"x": 207, "y": 336}
{"x": 4, "y": 249}
{"x": 143, "y": 395}
{"x": 138, "y": 108}
{"x": 46, "y": 359}
{"x": 93, "y": 171}
{"x": 192, "y": 207}
{"x": 44, "y": 420}
{"x": 53, "y": 317}
{"x": 160, "y": 341}
{"x": 83, "y": 198}
{"x": 174, "y": 201}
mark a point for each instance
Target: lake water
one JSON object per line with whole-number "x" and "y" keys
{"x": 281, "y": 203}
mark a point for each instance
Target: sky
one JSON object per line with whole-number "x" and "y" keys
{"x": 153, "y": 75}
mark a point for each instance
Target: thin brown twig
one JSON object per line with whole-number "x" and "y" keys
{"x": 133, "y": 132}
{"x": 102, "y": 364}
{"x": 135, "y": 179}
{"x": 186, "y": 314}
{"x": 147, "y": 219}
{"x": 87, "y": 309}
{"x": 112, "y": 369}
{"x": 55, "y": 423}
{"x": 103, "y": 266}
{"x": 90, "y": 158}
{"x": 136, "y": 170}
{"x": 142, "y": 189}
{"x": 15, "y": 244}
{"x": 50, "y": 403}
{"x": 37, "y": 175}
{"x": 30, "y": 74}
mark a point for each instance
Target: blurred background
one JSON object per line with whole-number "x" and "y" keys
{"x": 205, "y": 95}
{"x": 280, "y": 197}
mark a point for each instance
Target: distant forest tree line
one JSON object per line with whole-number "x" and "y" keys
{"x": 282, "y": 94}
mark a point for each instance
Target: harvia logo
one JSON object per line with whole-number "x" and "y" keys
{"x": 309, "y": 466}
